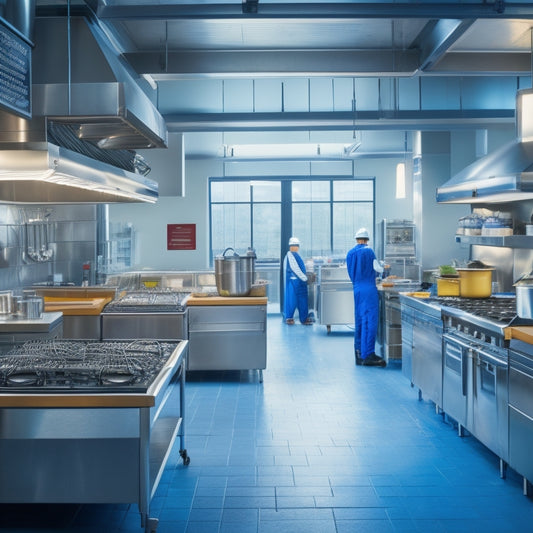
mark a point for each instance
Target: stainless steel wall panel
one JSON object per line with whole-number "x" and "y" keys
{"x": 71, "y": 236}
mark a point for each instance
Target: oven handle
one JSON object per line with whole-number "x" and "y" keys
{"x": 489, "y": 358}
{"x": 464, "y": 372}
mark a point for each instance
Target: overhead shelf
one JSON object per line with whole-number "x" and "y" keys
{"x": 506, "y": 241}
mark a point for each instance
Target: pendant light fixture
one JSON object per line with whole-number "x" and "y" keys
{"x": 400, "y": 174}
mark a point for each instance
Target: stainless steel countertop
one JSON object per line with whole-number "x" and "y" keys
{"x": 425, "y": 305}
{"x": 27, "y": 325}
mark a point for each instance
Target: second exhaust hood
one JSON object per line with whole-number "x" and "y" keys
{"x": 505, "y": 175}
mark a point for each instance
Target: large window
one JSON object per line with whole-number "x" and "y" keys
{"x": 323, "y": 212}
{"x": 246, "y": 213}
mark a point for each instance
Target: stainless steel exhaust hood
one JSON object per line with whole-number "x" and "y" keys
{"x": 52, "y": 174}
{"x": 504, "y": 175}
{"x": 89, "y": 115}
{"x": 80, "y": 79}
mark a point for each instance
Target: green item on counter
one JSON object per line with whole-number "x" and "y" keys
{"x": 447, "y": 270}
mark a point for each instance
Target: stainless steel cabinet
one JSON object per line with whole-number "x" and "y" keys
{"x": 391, "y": 326}
{"x": 521, "y": 410}
{"x": 427, "y": 356}
{"x": 227, "y": 337}
{"x": 490, "y": 400}
{"x": 457, "y": 357}
{"x": 147, "y": 325}
{"x": 408, "y": 320}
{"x": 335, "y": 305}
{"x": 475, "y": 391}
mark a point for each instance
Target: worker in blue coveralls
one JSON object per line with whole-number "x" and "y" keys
{"x": 295, "y": 285}
{"x": 363, "y": 268}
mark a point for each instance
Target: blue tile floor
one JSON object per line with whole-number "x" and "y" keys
{"x": 321, "y": 446}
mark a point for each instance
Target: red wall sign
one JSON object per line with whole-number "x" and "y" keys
{"x": 181, "y": 236}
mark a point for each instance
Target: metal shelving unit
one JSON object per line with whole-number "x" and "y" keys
{"x": 506, "y": 241}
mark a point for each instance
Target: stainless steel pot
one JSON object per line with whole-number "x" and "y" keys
{"x": 524, "y": 298}
{"x": 31, "y": 307}
{"x": 234, "y": 274}
{"x": 6, "y": 302}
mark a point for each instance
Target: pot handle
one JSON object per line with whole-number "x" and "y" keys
{"x": 227, "y": 249}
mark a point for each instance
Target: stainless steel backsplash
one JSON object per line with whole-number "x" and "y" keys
{"x": 68, "y": 232}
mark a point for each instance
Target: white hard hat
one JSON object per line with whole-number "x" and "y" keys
{"x": 294, "y": 241}
{"x": 362, "y": 233}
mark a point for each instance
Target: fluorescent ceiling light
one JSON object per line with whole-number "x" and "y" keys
{"x": 400, "y": 181}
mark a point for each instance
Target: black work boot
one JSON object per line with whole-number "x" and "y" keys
{"x": 358, "y": 360}
{"x": 373, "y": 360}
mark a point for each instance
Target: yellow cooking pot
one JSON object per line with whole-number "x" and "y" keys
{"x": 475, "y": 282}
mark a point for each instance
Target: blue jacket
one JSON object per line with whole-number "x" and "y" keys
{"x": 360, "y": 265}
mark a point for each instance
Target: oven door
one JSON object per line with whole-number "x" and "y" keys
{"x": 490, "y": 400}
{"x": 521, "y": 411}
{"x": 456, "y": 380}
{"x": 427, "y": 357}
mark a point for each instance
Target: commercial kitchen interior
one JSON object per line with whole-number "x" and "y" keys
{"x": 320, "y": 446}
{"x": 335, "y": 91}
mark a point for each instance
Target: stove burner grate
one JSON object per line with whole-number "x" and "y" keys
{"x": 59, "y": 365}
{"x": 148, "y": 301}
{"x": 502, "y": 310}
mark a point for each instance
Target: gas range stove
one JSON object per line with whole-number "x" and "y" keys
{"x": 148, "y": 302}
{"x": 484, "y": 319}
{"x": 499, "y": 310}
{"x": 83, "y": 366}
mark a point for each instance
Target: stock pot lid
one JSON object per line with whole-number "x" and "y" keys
{"x": 524, "y": 282}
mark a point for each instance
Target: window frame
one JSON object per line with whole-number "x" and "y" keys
{"x": 286, "y": 203}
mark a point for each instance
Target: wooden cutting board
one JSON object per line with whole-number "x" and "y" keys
{"x": 226, "y": 300}
{"x": 75, "y": 306}
{"x": 521, "y": 333}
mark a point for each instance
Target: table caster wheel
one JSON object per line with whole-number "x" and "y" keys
{"x": 185, "y": 457}
{"x": 151, "y": 525}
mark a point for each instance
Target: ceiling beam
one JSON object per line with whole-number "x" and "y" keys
{"x": 483, "y": 64}
{"x": 257, "y": 63}
{"x": 195, "y": 10}
{"x": 198, "y": 64}
{"x": 338, "y": 121}
{"x": 437, "y": 37}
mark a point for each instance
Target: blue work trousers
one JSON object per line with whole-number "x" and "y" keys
{"x": 366, "y": 304}
{"x": 296, "y": 296}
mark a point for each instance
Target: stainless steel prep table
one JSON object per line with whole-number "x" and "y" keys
{"x": 92, "y": 447}
{"x": 49, "y": 326}
{"x": 227, "y": 333}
